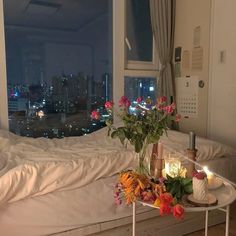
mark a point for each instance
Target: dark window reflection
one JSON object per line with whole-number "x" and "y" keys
{"x": 58, "y": 65}
{"x": 138, "y": 30}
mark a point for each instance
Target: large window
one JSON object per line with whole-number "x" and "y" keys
{"x": 58, "y": 57}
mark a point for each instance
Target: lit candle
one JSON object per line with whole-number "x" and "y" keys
{"x": 163, "y": 173}
{"x": 192, "y": 137}
{"x": 172, "y": 166}
{"x": 210, "y": 176}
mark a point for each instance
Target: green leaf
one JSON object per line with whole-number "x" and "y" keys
{"x": 139, "y": 129}
{"x": 188, "y": 189}
{"x": 186, "y": 181}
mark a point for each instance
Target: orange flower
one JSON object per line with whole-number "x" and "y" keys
{"x": 157, "y": 202}
{"x": 178, "y": 211}
{"x": 157, "y": 188}
{"x": 137, "y": 191}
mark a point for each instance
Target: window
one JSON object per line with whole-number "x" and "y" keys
{"x": 140, "y": 49}
{"x": 58, "y": 58}
{"x": 140, "y": 74}
{"x": 140, "y": 87}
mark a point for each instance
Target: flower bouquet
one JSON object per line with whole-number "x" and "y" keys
{"x": 143, "y": 123}
{"x": 134, "y": 186}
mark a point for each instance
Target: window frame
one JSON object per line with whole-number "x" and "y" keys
{"x": 4, "y": 124}
{"x": 140, "y": 65}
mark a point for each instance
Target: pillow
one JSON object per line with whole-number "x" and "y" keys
{"x": 207, "y": 149}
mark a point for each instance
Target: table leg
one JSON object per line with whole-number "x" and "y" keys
{"x": 134, "y": 219}
{"x": 227, "y": 221}
{"x": 206, "y": 223}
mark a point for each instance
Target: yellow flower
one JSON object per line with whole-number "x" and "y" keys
{"x": 157, "y": 202}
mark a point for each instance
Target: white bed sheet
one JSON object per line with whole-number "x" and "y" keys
{"x": 64, "y": 210}
{"x": 78, "y": 208}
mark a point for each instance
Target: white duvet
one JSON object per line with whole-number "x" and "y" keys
{"x": 206, "y": 149}
{"x": 32, "y": 167}
{"x": 38, "y": 166}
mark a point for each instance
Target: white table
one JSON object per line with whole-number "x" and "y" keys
{"x": 225, "y": 195}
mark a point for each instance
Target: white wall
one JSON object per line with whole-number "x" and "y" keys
{"x": 190, "y": 14}
{"x": 217, "y": 19}
{"x": 222, "y": 92}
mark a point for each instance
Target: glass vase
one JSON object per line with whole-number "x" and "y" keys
{"x": 144, "y": 162}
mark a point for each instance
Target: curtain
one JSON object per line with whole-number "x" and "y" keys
{"x": 163, "y": 24}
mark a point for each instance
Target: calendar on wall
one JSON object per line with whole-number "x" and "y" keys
{"x": 187, "y": 96}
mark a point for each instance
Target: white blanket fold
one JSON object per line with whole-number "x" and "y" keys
{"x": 41, "y": 166}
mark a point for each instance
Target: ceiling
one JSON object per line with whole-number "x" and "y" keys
{"x": 66, "y": 15}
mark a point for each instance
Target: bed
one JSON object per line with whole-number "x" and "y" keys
{"x": 65, "y": 187}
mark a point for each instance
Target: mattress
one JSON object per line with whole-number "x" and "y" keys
{"x": 87, "y": 207}
{"x": 64, "y": 210}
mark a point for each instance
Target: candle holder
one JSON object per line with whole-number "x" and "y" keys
{"x": 191, "y": 154}
{"x": 156, "y": 164}
{"x": 172, "y": 166}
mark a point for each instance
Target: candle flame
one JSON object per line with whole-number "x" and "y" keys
{"x": 205, "y": 168}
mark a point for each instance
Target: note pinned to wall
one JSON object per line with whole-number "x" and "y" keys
{"x": 197, "y": 36}
{"x": 187, "y": 96}
{"x": 197, "y": 59}
{"x": 186, "y": 60}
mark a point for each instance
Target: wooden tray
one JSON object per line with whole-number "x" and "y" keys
{"x": 211, "y": 201}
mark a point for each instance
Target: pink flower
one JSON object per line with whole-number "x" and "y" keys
{"x": 178, "y": 211}
{"x": 139, "y": 99}
{"x": 166, "y": 198}
{"x": 161, "y": 99}
{"x": 177, "y": 117}
{"x": 148, "y": 196}
{"x": 95, "y": 115}
{"x": 169, "y": 109}
{"x": 118, "y": 201}
{"x": 127, "y": 103}
{"x": 165, "y": 209}
{"x": 160, "y": 103}
{"x": 200, "y": 174}
{"x": 108, "y": 105}
{"x": 122, "y": 101}
{"x": 159, "y": 107}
